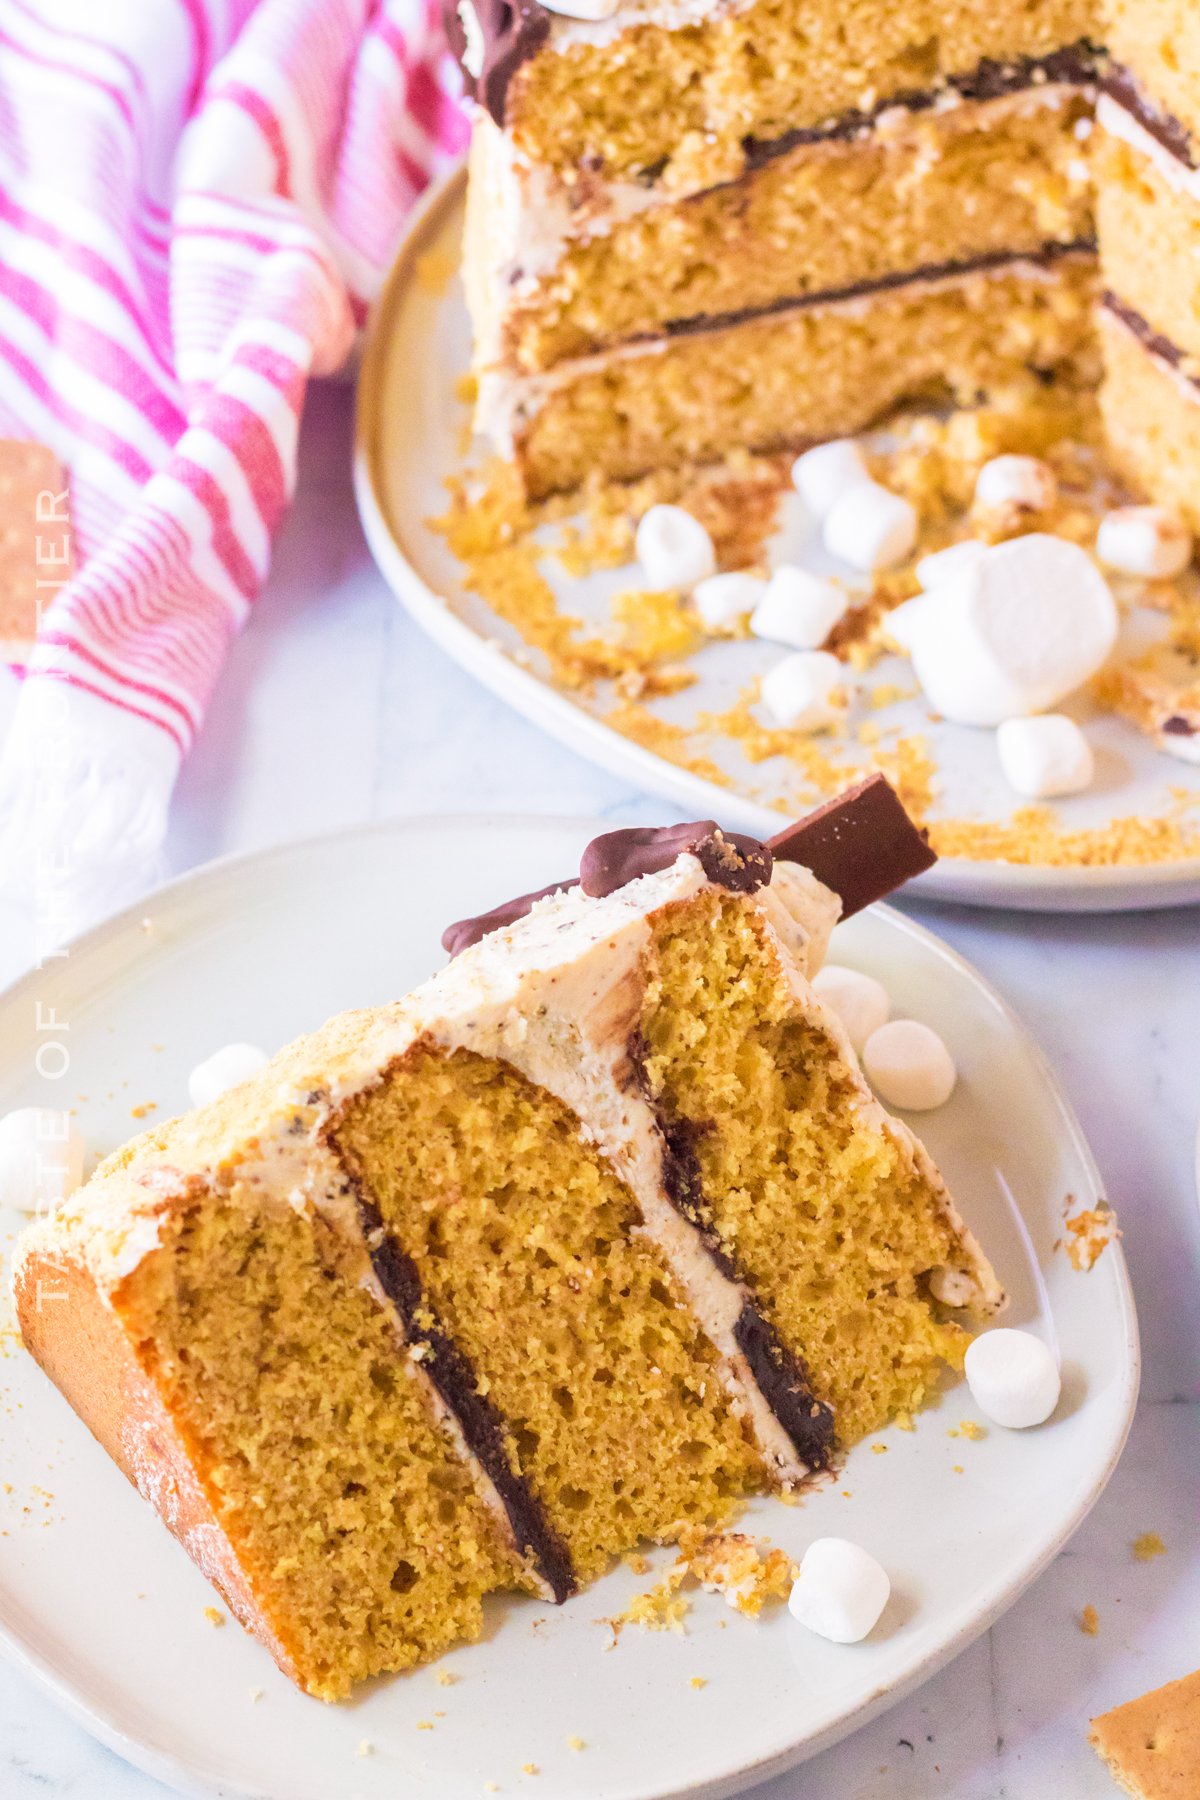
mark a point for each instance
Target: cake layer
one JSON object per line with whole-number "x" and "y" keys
{"x": 1148, "y": 213}
{"x": 677, "y": 89}
{"x": 939, "y": 185}
{"x": 799, "y": 374}
{"x": 1158, "y": 42}
{"x": 1151, "y": 409}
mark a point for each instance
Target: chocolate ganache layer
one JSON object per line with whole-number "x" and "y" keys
{"x": 1171, "y": 133}
{"x": 1150, "y": 340}
{"x": 862, "y": 845}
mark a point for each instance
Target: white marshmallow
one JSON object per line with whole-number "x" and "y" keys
{"x": 860, "y": 1002}
{"x": 909, "y": 1066}
{"x": 1013, "y": 1378}
{"x": 821, "y": 476}
{"x": 1144, "y": 540}
{"x": 224, "y": 1069}
{"x": 940, "y": 564}
{"x": 871, "y": 528}
{"x": 1045, "y": 756}
{"x": 798, "y": 691}
{"x": 674, "y": 549}
{"x": 840, "y": 1592}
{"x": 1021, "y": 481}
{"x": 722, "y": 600}
{"x": 799, "y": 609}
{"x": 592, "y": 10}
{"x": 41, "y": 1158}
{"x": 1011, "y": 633}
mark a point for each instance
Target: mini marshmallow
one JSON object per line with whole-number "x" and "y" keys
{"x": 1012, "y": 633}
{"x": 840, "y": 1592}
{"x": 871, "y": 528}
{"x": 1013, "y": 1378}
{"x": 592, "y": 10}
{"x": 799, "y": 609}
{"x": 1045, "y": 756}
{"x": 1148, "y": 541}
{"x": 798, "y": 691}
{"x": 224, "y": 1069}
{"x": 909, "y": 1066}
{"x": 674, "y": 549}
{"x": 41, "y": 1158}
{"x": 939, "y": 565}
{"x": 1020, "y": 481}
{"x": 821, "y": 476}
{"x": 721, "y": 600}
{"x": 860, "y": 1002}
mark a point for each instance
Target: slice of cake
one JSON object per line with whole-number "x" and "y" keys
{"x": 763, "y": 224}
{"x": 1148, "y": 208}
{"x": 595, "y": 1234}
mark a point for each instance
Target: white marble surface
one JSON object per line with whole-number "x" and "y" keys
{"x": 334, "y": 710}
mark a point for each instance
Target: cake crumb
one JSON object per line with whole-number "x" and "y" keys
{"x": 971, "y": 1429}
{"x": 365, "y": 1748}
{"x": 256, "y": 1694}
{"x": 958, "y": 1469}
{"x": 424, "y": 1724}
{"x": 530, "y": 1769}
{"x": 576, "y": 1743}
{"x": 214, "y": 1616}
{"x": 637, "y": 1562}
{"x": 144, "y": 1110}
{"x": 1147, "y": 1546}
{"x": 879, "y": 1449}
{"x": 446, "y": 1677}
{"x": 904, "y": 1422}
{"x": 698, "y": 1681}
{"x": 1090, "y": 1234}
{"x": 1089, "y": 1621}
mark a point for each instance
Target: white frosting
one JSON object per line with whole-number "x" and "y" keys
{"x": 1118, "y": 123}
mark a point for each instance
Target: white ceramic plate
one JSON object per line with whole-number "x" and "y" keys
{"x": 105, "y": 1610}
{"x": 410, "y": 438}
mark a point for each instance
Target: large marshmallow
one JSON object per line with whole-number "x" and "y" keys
{"x": 1025, "y": 483}
{"x": 1013, "y": 1378}
{"x": 1144, "y": 540}
{"x": 799, "y": 609}
{"x": 840, "y": 1592}
{"x": 860, "y": 1002}
{"x": 1045, "y": 757}
{"x": 673, "y": 548}
{"x": 721, "y": 600}
{"x": 1011, "y": 633}
{"x": 940, "y": 564}
{"x": 41, "y": 1158}
{"x": 871, "y": 528}
{"x": 226, "y": 1068}
{"x": 798, "y": 692}
{"x": 909, "y": 1066}
{"x": 821, "y": 476}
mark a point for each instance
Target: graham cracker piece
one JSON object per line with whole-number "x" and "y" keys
{"x": 36, "y": 541}
{"x": 1152, "y": 1745}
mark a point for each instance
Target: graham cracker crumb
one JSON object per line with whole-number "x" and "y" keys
{"x": 446, "y": 1677}
{"x": 698, "y": 1681}
{"x": 530, "y": 1769}
{"x": 1147, "y": 1546}
{"x": 215, "y": 1617}
{"x": 1090, "y": 1234}
{"x": 879, "y": 1449}
{"x": 970, "y": 1429}
{"x": 1089, "y": 1621}
{"x": 576, "y": 1743}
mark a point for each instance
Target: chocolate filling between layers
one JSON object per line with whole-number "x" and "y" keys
{"x": 454, "y": 1377}
{"x": 779, "y": 1374}
{"x": 1176, "y": 138}
{"x": 1152, "y": 341}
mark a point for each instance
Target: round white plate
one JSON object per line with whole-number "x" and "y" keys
{"x": 410, "y": 439}
{"x": 106, "y": 1611}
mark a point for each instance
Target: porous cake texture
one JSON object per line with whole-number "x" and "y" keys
{"x": 1148, "y": 208}
{"x": 696, "y": 227}
{"x": 597, "y": 1233}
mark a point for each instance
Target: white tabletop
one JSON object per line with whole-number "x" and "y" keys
{"x": 333, "y": 710}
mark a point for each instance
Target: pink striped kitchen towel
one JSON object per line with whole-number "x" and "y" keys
{"x": 198, "y": 200}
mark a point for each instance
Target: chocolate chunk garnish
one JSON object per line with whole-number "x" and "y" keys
{"x": 863, "y": 845}
{"x": 738, "y": 863}
{"x": 465, "y": 932}
{"x": 1121, "y": 85}
{"x": 1178, "y": 726}
{"x": 512, "y": 32}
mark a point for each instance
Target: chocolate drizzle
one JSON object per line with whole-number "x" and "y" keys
{"x": 1079, "y": 65}
{"x": 863, "y": 844}
{"x": 860, "y": 290}
{"x": 731, "y": 861}
{"x": 779, "y": 1374}
{"x": 1172, "y": 134}
{"x": 512, "y": 31}
{"x": 482, "y": 1424}
{"x": 1152, "y": 341}
{"x": 465, "y": 932}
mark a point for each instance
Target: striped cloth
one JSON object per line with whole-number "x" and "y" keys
{"x": 198, "y": 200}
